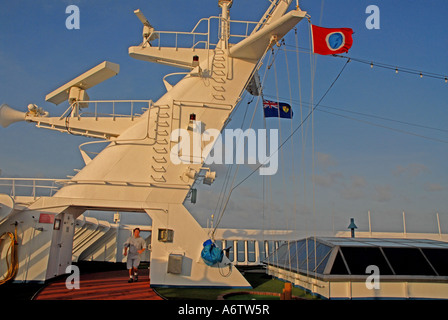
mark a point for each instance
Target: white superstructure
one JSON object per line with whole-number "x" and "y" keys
{"x": 134, "y": 172}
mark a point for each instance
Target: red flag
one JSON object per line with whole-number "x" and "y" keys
{"x": 331, "y": 41}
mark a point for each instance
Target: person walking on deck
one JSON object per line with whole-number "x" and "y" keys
{"x": 136, "y": 246}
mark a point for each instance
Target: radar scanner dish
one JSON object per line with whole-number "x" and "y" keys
{"x": 148, "y": 30}
{"x": 76, "y": 88}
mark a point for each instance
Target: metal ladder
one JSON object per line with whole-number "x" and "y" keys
{"x": 219, "y": 74}
{"x": 160, "y": 147}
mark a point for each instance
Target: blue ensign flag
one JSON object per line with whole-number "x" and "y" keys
{"x": 277, "y": 109}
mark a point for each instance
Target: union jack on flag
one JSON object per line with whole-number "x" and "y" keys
{"x": 274, "y": 109}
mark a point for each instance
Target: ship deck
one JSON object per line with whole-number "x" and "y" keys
{"x": 109, "y": 285}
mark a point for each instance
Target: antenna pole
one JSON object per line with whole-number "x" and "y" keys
{"x": 225, "y": 24}
{"x": 404, "y": 224}
{"x": 370, "y": 225}
{"x": 438, "y": 224}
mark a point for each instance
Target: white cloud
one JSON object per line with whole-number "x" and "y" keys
{"x": 411, "y": 170}
{"x": 355, "y": 190}
{"x": 327, "y": 180}
{"x": 325, "y": 160}
{"x": 432, "y": 187}
{"x": 383, "y": 193}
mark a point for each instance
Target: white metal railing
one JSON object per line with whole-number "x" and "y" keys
{"x": 92, "y": 154}
{"x": 204, "y": 38}
{"x": 30, "y": 187}
{"x": 107, "y": 108}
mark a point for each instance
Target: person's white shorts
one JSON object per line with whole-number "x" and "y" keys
{"x": 133, "y": 262}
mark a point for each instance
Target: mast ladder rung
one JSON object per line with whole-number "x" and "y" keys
{"x": 163, "y": 133}
{"x": 219, "y": 97}
{"x": 219, "y": 80}
{"x": 159, "y": 160}
{"x": 219, "y": 72}
{"x": 163, "y": 141}
{"x": 158, "y": 179}
{"x": 160, "y": 150}
{"x": 161, "y": 169}
{"x": 219, "y": 88}
{"x": 219, "y": 65}
{"x": 164, "y": 115}
{"x": 163, "y": 123}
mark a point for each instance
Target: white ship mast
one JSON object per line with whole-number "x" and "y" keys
{"x": 135, "y": 173}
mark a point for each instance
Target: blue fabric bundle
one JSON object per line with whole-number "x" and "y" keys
{"x": 211, "y": 254}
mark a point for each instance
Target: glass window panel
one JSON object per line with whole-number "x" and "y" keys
{"x": 298, "y": 254}
{"x": 322, "y": 251}
{"x": 438, "y": 259}
{"x": 270, "y": 247}
{"x": 219, "y": 244}
{"x": 241, "y": 251}
{"x": 359, "y": 258}
{"x": 311, "y": 257}
{"x": 270, "y": 254}
{"x": 282, "y": 256}
{"x": 338, "y": 266}
{"x": 323, "y": 264}
{"x": 251, "y": 251}
{"x": 262, "y": 250}
{"x": 408, "y": 261}
{"x": 229, "y": 244}
{"x": 295, "y": 248}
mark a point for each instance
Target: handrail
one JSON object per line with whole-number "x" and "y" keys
{"x": 95, "y": 114}
{"x": 212, "y": 105}
{"x": 80, "y": 147}
{"x": 194, "y": 33}
{"x": 33, "y": 183}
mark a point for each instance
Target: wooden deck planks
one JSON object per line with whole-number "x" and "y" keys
{"x": 110, "y": 285}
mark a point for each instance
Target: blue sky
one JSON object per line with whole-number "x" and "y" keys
{"x": 357, "y": 166}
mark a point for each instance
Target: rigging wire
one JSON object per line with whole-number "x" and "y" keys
{"x": 227, "y": 178}
{"x": 382, "y": 65}
{"x": 313, "y": 63}
{"x": 294, "y": 212}
{"x": 302, "y": 136}
{"x": 371, "y": 116}
{"x": 238, "y": 165}
{"x": 296, "y": 129}
{"x": 281, "y": 145}
{"x": 385, "y": 127}
{"x": 381, "y": 125}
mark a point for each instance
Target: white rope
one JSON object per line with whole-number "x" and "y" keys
{"x": 301, "y": 119}
{"x": 313, "y": 180}
{"x": 238, "y": 165}
{"x": 294, "y": 213}
{"x": 281, "y": 151}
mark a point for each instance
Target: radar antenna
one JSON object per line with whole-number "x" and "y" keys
{"x": 148, "y": 30}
